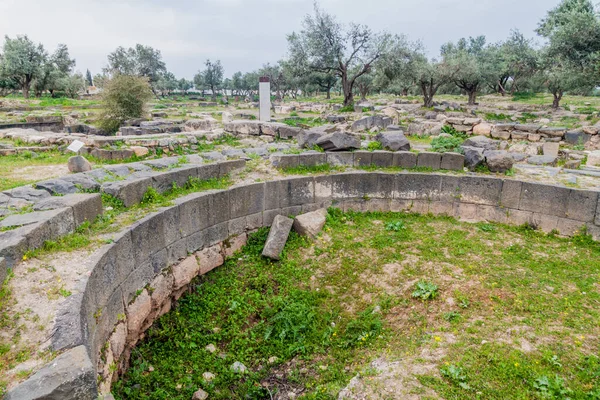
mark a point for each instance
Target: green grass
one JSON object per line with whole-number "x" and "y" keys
{"x": 304, "y": 122}
{"x": 9, "y": 164}
{"x": 501, "y": 312}
{"x": 311, "y": 169}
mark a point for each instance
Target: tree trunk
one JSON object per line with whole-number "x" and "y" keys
{"x": 328, "y": 93}
{"x": 404, "y": 92}
{"x": 472, "y": 97}
{"x": 556, "y": 101}
{"x": 347, "y": 87}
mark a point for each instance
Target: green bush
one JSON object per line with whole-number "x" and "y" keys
{"x": 124, "y": 97}
{"x": 445, "y": 144}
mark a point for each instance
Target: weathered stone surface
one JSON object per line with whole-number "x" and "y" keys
{"x": 57, "y": 186}
{"x": 429, "y": 160}
{"x": 312, "y": 158}
{"x": 289, "y": 132}
{"x": 79, "y": 164}
{"x": 69, "y": 376}
{"x": 338, "y": 141}
{"x": 572, "y": 164}
{"x": 340, "y": 158}
{"x": 543, "y": 160}
{"x": 473, "y": 157}
{"x": 284, "y": 160}
{"x": 310, "y": 224}
{"x": 242, "y": 127}
{"x": 307, "y": 139}
{"x": 137, "y": 313}
{"x": 278, "y": 235}
{"x": 394, "y": 141}
{"x": 577, "y": 137}
{"x": 366, "y": 123}
{"x": 139, "y": 151}
{"x": 551, "y": 149}
{"x": 185, "y": 271}
{"x": 118, "y": 339}
{"x": 483, "y": 129}
{"x": 205, "y": 124}
{"x": 453, "y": 161}
{"x": 594, "y": 158}
{"x": 209, "y": 259}
{"x": 130, "y": 192}
{"x": 362, "y": 158}
{"x": 404, "y": 159}
{"x": 553, "y": 132}
{"x": 86, "y": 207}
{"x": 498, "y": 160}
{"x": 481, "y": 142}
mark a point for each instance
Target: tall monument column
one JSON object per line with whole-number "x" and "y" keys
{"x": 264, "y": 93}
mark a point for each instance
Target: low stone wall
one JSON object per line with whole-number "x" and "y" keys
{"x": 378, "y": 158}
{"x": 54, "y": 126}
{"x": 136, "y": 278}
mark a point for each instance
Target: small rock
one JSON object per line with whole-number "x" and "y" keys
{"x": 498, "y": 161}
{"x": 79, "y": 164}
{"x": 572, "y": 164}
{"x": 394, "y": 141}
{"x": 140, "y": 151}
{"x": 551, "y": 149}
{"x": 200, "y": 395}
{"x": 208, "y": 376}
{"x": 211, "y": 348}
{"x": 273, "y": 360}
{"x": 239, "y": 368}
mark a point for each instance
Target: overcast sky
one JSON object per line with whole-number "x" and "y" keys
{"x": 245, "y": 34}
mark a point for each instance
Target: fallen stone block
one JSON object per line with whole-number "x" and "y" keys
{"x": 86, "y": 207}
{"x": 338, "y": 141}
{"x": 278, "y": 235}
{"x": 394, "y": 141}
{"x": 310, "y": 224}
{"x": 498, "y": 160}
{"x": 543, "y": 160}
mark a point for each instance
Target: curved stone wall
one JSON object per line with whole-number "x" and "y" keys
{"x": 136, "y": 278}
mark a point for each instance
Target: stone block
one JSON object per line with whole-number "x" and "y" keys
{"x": 234, "y": 244}
{"x": 137, "y": 312}
{"x": 480, "y": 190}
{"x": 278, "y": 235}
{"x": 12, "y": 247}
{"x": 581, "y": 205}
{"x": 292, "y": 192}
{"x": 57, "y": 187}
{"x": 312, "y": 159}
{"x": 511, "y": 194}
{"x": 71, "y": 375}
{"x": 340, "y": 158}
{"x": 284, "y": 161}
{"x": 323, "y": 190}
{"x": 219, "y": 209}
{"x": 441, "y": 208}
{"x": 382, "y": 159}
{"x": 185, "y": 271}
{"x": 146, "y": 237}
{"x": 216, "y": 234}
{"x": 492, "y": 214}
{"x": 193, "y": 213}
{"x": 231, "y": 166}
{"x": 518, "y": 217}
{"x": 362, "y": 158}
{"x": 546, "y": 199}
{"x": 545, "y": 223}
{"x": 209, "y": 259}
{"x": 429, "y": 160}
{"x": 466, "y": 212}
{"x": 550, "y": 149}
{"x": 418, "y": 187}
{"x": 246, "y": 200}
{"x": 310, "y": 224}
{"x": 209, "y": 171}
{"x": 453, "y": 161}
{"x": 130, "y": 192}
{"x": 569, "y": 227}
{"x": 405, "y": 159}
{"x": 164, "y": 181}
{"x": 86, "y": 207}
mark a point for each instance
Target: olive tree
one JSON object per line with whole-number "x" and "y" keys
{"x": 54, "y": 72}
{"x": 124, "y": 97}
{"x": 140, "y": 60}
{"x": 22, "y": 61}
{"x": 210, "y": 78}
{"x": 327, "y": 46}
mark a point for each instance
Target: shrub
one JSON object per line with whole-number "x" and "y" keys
{"x": 445, "y": 144}
{"x": 124, "y": 97}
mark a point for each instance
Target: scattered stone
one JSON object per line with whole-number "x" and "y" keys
{"x": 57, "y": 186}
{"x": 208, "y": 376}
{"x": 483, "y": 129}
{"x": 482, "y": 142}
{"x": 79, "y": 164}
{"x": 211, "y": 348}
{"x": 573, "y": 164}
{"x": 550, "y": 149}
{"x": 594, "y": 158}
{"x": 498, "y": 160}
{"x": 227, "y": 117}
{"x": 338, "y": 141}
{"x": 239, "y": 368}
{"x": 542, "y": 160}
{"x": 139, "y": 151}
{"x": 307, "y": 139}
{"x": 473, "y": 157}
{"x": 200, "y": 395}
{"x": 393, "y": 141}
{"x": 278, "y": 235}
{"x": 310, "y": 224}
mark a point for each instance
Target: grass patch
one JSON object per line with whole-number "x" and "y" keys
{"x": 501, "y": 312}
{"x": 304, "y": 122}
{"x": 311, "y": 169}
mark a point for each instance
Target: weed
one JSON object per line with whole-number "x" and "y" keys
{"x": 395, "y": 226}
{"x": 425, "y": 290}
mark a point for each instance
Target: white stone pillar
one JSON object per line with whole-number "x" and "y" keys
{"x": 264, "y": 93}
